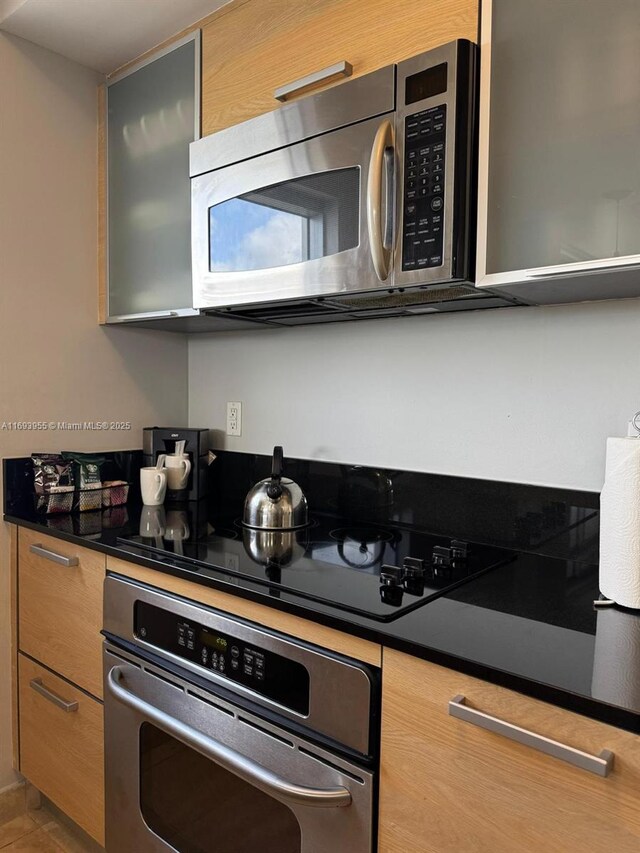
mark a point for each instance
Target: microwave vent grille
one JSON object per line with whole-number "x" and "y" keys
{"x": 408, "y": 297}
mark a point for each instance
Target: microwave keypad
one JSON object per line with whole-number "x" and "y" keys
{"x": 424, "y": 169}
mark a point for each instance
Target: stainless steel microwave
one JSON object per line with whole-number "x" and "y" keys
{"x": 357, "y": 201}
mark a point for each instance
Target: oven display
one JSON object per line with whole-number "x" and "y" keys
{"x": 277, "y": 678}
{"x": 220, "y": 644}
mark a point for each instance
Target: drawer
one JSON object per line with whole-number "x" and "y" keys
{"x": 60, "y": 607}
{"x": 449, "y": 785}
{"x": 62, "y": 751}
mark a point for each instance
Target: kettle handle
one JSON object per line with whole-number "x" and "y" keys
{"x": 274, "y": 489}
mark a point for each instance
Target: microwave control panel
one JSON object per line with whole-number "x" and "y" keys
{"x": 424, "y": 170}
{"x": 271, "y": 675}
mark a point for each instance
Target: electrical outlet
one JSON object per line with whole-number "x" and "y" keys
{"x": 234, "y": 418}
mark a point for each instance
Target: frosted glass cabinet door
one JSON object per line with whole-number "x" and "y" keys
{"x": 152, "y": 116}
{"x": 560, "y": 165}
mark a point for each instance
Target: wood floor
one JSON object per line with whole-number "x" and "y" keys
{"x": 26, "y": 829}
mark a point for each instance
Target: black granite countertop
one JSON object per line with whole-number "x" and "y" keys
{"x": 528, "y": 624}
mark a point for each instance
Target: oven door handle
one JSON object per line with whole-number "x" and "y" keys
{"x": 245, "y": 768}
{"x": 381, "y": 183}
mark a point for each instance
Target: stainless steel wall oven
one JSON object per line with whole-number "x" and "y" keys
{"x": 224, "y": 736}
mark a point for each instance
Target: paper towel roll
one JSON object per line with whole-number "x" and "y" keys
{"x": 616, "y": 662}
{"x": 620, "y": 523}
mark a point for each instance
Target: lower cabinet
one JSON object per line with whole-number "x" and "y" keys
{"x": 60, "y": 607}
{"x": 450, "y": 785}
{"x": 61, "y": 745}
{"x": 59, "y": 619}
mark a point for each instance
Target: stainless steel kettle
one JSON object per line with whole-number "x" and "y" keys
{"x": 276, "y": 503}
{"x": 275, "y": 547}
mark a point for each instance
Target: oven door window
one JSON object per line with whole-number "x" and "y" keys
{"x": 288, "y": 223}
{"x": 197, "y": 807}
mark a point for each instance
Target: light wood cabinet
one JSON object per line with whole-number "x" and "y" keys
{"x": 62, "y": 750}
{"x": 256, "y": 46}
{"x": 60, "y": 608}
{"x": 60, "y": 726}
{"x": 447, "y": 785}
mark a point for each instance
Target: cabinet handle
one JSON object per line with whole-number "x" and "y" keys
{"x": 148, "y": 315}
{"x": 342, "y": 69}
{"x": 51, "y": 555}
{"x": 631, "y": 261}
{"x": 601, "y": 764}
{"x": 37, "y": 685}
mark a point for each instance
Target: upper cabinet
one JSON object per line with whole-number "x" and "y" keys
{"x": 251, "y": 49}
{"x": 559, "y": 187}
{"x": 153, "y": 110}
{"x": 152, "y": 114}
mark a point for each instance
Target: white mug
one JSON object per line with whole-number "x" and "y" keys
{"x": 177, "y": 526}
{"x": 152, "y": 522}
{"x": 153, "y": 484}
{"x": 177, "y": 468}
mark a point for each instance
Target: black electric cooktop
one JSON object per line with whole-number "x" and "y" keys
{"x": 374, "y": 570}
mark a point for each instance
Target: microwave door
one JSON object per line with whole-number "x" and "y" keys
{"x": 310, "y": 220}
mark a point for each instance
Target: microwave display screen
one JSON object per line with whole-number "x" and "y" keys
{"x": 426, "y": 84}
{"x": 298, "y": 220}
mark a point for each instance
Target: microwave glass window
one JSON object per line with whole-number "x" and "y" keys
{"x": 196, "y": 806}
{"x": 426, "y": 84}
{"x": 298, "y": 220}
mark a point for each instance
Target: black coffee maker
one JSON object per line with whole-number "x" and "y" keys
{"x": 157, "y": 440}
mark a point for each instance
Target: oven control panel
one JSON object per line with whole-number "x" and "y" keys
{"x": 277, "y": 678}
{"x": 424, "y": 170}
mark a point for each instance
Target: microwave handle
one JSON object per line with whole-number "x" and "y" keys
{"x": 381, "y": 182}
{"x": 241, "y": 766}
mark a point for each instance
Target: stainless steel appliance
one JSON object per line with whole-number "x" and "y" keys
{"x": 380, "y": 572}
{"x": 162, "y": 440}
{"x": 223, "y": 736}
{"x": 276, "y": 503}
{"x": 353, "y": 202}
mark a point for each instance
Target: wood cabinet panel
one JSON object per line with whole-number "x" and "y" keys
{"x": 62, "y": 752}
{"x": 60, "y": 609}
{"x": 103, "y": 308}
{"x": 294, "y": 626}
{"x": 258, "y": 46}
{"x": 447, "y": 785}
{"x": 13, "y": 568}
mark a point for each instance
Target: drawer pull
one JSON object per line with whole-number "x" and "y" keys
{"x": 601, "y": 764}
{"x": 51, "y": 555}
{"x": 37, "y": 685}
{"x": 343, "y": 69}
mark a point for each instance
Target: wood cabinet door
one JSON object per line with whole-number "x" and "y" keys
{"x": 254, "y": 47}
{"x": 60, "y": 607}
{"x": 61, "y": 750}
{"x": 448, "y": 786}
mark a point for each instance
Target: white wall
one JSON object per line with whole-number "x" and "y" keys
{"x": 519, "y": 394}
{"x": 55, "y": 362}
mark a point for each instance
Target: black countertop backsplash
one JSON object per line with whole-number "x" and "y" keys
{"x": 528, "y": 624}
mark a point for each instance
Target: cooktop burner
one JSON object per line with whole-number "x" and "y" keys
{"x": 376, "y": 571}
